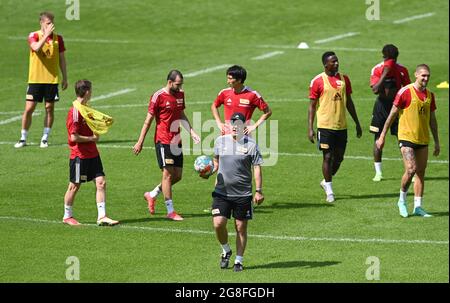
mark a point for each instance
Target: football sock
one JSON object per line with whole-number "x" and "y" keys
{"x": 156, "y": 191}
{"x": 23, "y": 134}
{"x": 328, "y": 188}
{"x": 101, "y": 209}
{"x": 67, "y": 211}
{"x": 402, "y": 196}
{"x": 225, "y": 248}
{"x": 46, "y": 133}
{"x": 169, "y": 206}
{"x": 239, "y": 259}
{"x": 377, "y": 167}
{"x": 417, "y": 202}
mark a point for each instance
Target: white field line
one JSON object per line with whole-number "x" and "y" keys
{"x": 206, "y": 70}
{"x": 413, "y": 18}
{"x": 106, "y": 41}
{"x": 264, "y": 236}
{"x": 16, "y": 118}
{"x": 113, "y": 94}
{"x": 337, "y": 37}
{"x": 263, "y": 152}
{"x": 350, "y": 49}
{"x": 268, "y": 55}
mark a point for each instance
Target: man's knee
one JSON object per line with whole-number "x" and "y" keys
{"x": 241, "y": 227}
{"x": 219, "y": 222}
{"x": 49, "y": 107}
{"x": 100, "y": 183}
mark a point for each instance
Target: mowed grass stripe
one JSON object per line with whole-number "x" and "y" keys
{"x": 272, "y": 237}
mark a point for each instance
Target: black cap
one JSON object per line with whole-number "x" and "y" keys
{"x": 238, "y": 116}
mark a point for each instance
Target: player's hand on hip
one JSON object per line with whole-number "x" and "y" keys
{"x": 311, "y": 135}
{"x": 137, "y": 148}
{"x": 258, "y": 199}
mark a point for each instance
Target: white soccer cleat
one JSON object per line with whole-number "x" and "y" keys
{"x": 105, "y": 221}
{"x": 20, "y": 144}
{"x": 44, "y": 144}
{"x": 330, "y": 198}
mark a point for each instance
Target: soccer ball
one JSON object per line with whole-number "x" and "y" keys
{"x": 204, "y": 165}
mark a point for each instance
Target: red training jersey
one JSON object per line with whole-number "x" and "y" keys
{"x": 76, "y": 124}
{"x": 398, "y": 72}
{"x": 403, "y": 98}
{"x": 167, "y": 109}
{"x": 316, "y": 85}
{"x": 243, "y": 102}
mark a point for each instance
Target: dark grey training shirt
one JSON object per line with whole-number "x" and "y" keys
{"x": 236, "y": 158}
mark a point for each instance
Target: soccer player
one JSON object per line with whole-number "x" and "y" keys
{"x": 415, "y": 106}
{"x": 330, "y": 95}
{"x": 46, "y": 57}
{"x": 386, "y": 79}
{"x": 85, "y": 162}
{"x": 235, "y": 155}
{"x": 239, "y": 98}
{"x": 167, "y": 107}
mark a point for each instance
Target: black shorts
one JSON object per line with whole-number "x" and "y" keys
{"x": 223, "y": 206}
{"x": 330, "y": 138}
{"x": 82, "y": 170}
{"x": 168, "y": 154}
{"x": 37, "y": 92}
{"x": 403, "y": 143}
{"x": 380, "y": 114}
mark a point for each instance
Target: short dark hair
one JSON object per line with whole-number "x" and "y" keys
{"x": 326, "y": 55}
{"x": 390, "y": 51}
{"x": 237, "y": 72}
{"x": 172, "y": 76}
{"x": 423, "y": 66}
{"x": 46, "y": 14}
{"x": 81, "y": 87}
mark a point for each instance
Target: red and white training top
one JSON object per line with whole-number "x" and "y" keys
{"x": 76, "y": 124}
{"x": 243, "y": 102}
{"x": 398, "y": 72}
{"x": 167, "y": 110}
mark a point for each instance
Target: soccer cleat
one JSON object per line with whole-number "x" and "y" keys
{"x": 105, "y": 221}
{"x": 71, "y": 221}
{"x": 225, "y": 259}
{"x": 330, "y": 198}
{"x": 44, "y": 144}
{"x": 377, "y": 178}
{"x": 402, "y": 209}
{"x": 174, "y": 216}
{"x": 322, "y": 184}
{"x": 238, "y": 267}
{"x": 151, "y": 202}
{"x": 419, "y": 211}
{"x": 20, "y": 144}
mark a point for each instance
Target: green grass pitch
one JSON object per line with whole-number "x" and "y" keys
{"x": 294, "y": 236}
